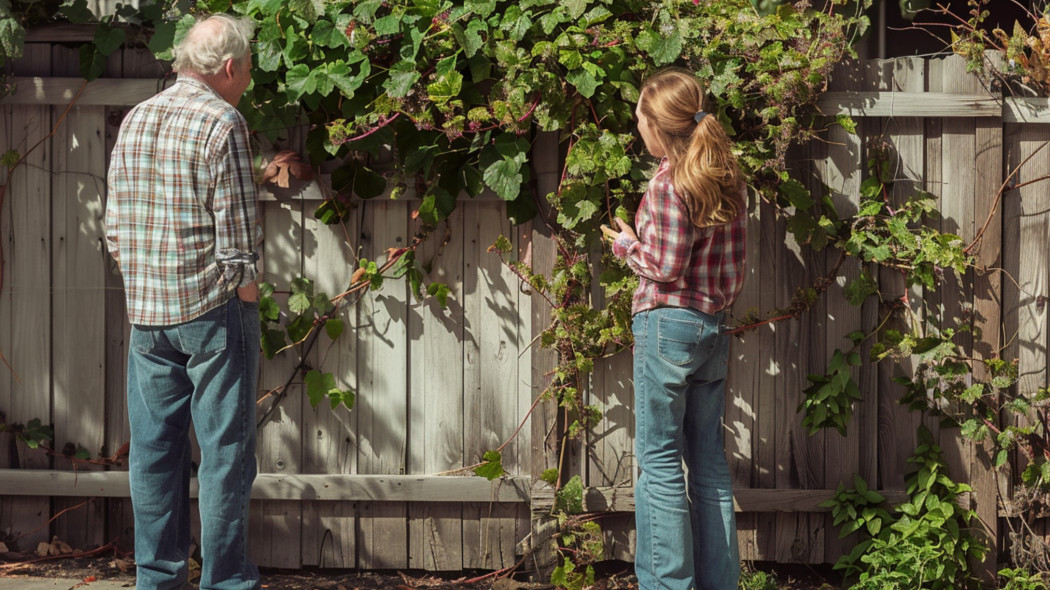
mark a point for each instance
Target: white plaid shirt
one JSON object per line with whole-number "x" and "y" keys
{"x": 181, "y": 189}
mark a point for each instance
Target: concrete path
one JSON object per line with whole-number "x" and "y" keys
{"x": 16, "y": 583}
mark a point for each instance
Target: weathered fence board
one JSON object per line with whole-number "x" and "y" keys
{"x": 438, "y": 420}
{"x": 27, "y": 283}
{"x": 275, "y": 526}
{"x": 437, "y": 387}
{"x": 328, "y": 439}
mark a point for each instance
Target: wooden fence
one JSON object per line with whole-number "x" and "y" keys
{"x": 438, "y": 387}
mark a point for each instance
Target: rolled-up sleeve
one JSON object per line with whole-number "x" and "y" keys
{"x": 235, "y": 201}
{"x": 664, "y": 248}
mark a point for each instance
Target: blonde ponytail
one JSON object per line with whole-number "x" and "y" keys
{"x": 704, "y": 171}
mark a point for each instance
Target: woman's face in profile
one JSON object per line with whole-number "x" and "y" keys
{"x": 652, "y": 144}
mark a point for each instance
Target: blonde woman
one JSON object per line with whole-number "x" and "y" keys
{"x": 688, "y": 253}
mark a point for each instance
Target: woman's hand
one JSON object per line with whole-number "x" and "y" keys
{"x": 626, "y": 230}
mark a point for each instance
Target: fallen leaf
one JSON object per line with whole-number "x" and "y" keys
{"x": 353, "y": 281}
{"x": 283, "y": 164}
{"x": 59, "y": 547}
{"x": 121, "y": 452}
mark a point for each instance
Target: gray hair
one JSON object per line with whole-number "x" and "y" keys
{"x": 206, "y": 54}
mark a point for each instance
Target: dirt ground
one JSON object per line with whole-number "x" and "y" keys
{"x": 610, "y": 576}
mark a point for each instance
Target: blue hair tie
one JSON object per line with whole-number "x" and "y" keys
{"x": 699, "y": 116}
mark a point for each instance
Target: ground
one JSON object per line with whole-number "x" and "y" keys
{"x": 610, "y": 576}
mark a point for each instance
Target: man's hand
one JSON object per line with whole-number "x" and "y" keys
{"x": 249, "y": 293}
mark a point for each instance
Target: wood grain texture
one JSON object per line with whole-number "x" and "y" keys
{"x": 329, "y": 434}
{"x": 863, "y": 103}
{"x": 490, "y": 380}
{"x": 437, "y": 421}
{"x": 41, "y": 90}
{"x": 383, "y": 398}
{"x": 27, "y": 282}
{"x": 275, "y": 527}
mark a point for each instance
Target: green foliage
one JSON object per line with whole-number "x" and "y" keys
{"x": 492, "y": 466}
{"x": 1019, "y": 579}
{"x": 550, "y": 476}
{"x": 34, "y": 434}
{"x": 829, "y": 398}
{"x": 565, "y": 576}
{"x": 925, "y": 543}
{"x": 858, "y": 508}
{"x": 757, "y": 580}
{"x": 569, "y": 499}
{"x": 10, "y": 159}
{"x": 321, "y": 385}
{"x": 306, "y": 310}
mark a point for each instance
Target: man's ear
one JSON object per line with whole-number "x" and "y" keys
{"x": 230, "y": 68}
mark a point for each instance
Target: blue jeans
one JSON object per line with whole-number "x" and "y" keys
{"x": 679, "y": 383}
{"x": 206, "y": 370}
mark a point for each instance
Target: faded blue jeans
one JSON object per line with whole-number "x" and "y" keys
{"x": 206, "y": 370}
{"x": 684, "y": 541}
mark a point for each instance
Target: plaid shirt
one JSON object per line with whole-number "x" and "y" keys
{"x": 181, "y": 189}
{"x": 677, "y": 263}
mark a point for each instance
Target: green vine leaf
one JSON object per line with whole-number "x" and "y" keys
{"x": 76, "y": 11}
{"x": 440, "y": 291}
{"x": 569, "y": 498}
{"x": 402, "y": 76}
{"x": 334, "y": 328}
{"x": 492, "y": 467}
{"x": 322, "y": 385}
{"x": 299, "y": 303}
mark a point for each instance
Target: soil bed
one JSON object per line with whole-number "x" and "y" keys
{"x": 610, "y": 576}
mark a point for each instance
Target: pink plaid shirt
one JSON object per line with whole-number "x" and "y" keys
{"x": 677, "y": 263}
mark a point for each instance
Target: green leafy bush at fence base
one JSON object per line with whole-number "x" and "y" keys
{"x": 924, "y": 544}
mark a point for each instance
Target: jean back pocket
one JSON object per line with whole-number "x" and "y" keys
{"x": 679, "y": 338}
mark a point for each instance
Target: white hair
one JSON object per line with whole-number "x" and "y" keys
{"x": 206, "y": 54}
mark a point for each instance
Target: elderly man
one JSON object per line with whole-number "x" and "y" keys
{"x": 181, "y": 221}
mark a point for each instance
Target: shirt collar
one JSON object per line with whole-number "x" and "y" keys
{"x": 196, "y": 82}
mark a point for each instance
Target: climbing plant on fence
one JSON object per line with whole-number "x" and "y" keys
{"x": 455, "y": 92}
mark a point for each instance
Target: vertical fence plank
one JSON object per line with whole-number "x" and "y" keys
{"x": 610, "y": 443}
{"x": 957, "y": 217}
{"x": 766, "y": 419}
{"x": 136, "y": 62}
{"x": 987, "y": 293}
{"x": 8, "y": 376}
{"x": 78, "y": 271}
{"x": 274, "y": 526}
{"x": 523, "y": 447}
{"x": 1026, "y": 223}
{"x": 743, "y": 387}
{"x": 491, "y": 380}
{"x": 383, "y": 399}
{"x": 799, "y": 461}
{"x": 843, "y": 171}
{"x": 79, "y": 260}
{"x": 28, "y": 285}
{"x": 543, "y": 422}
{"x": 329, "y": 446}
{"x": 438, "y": 422}
{"x": 904, "y": 135}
